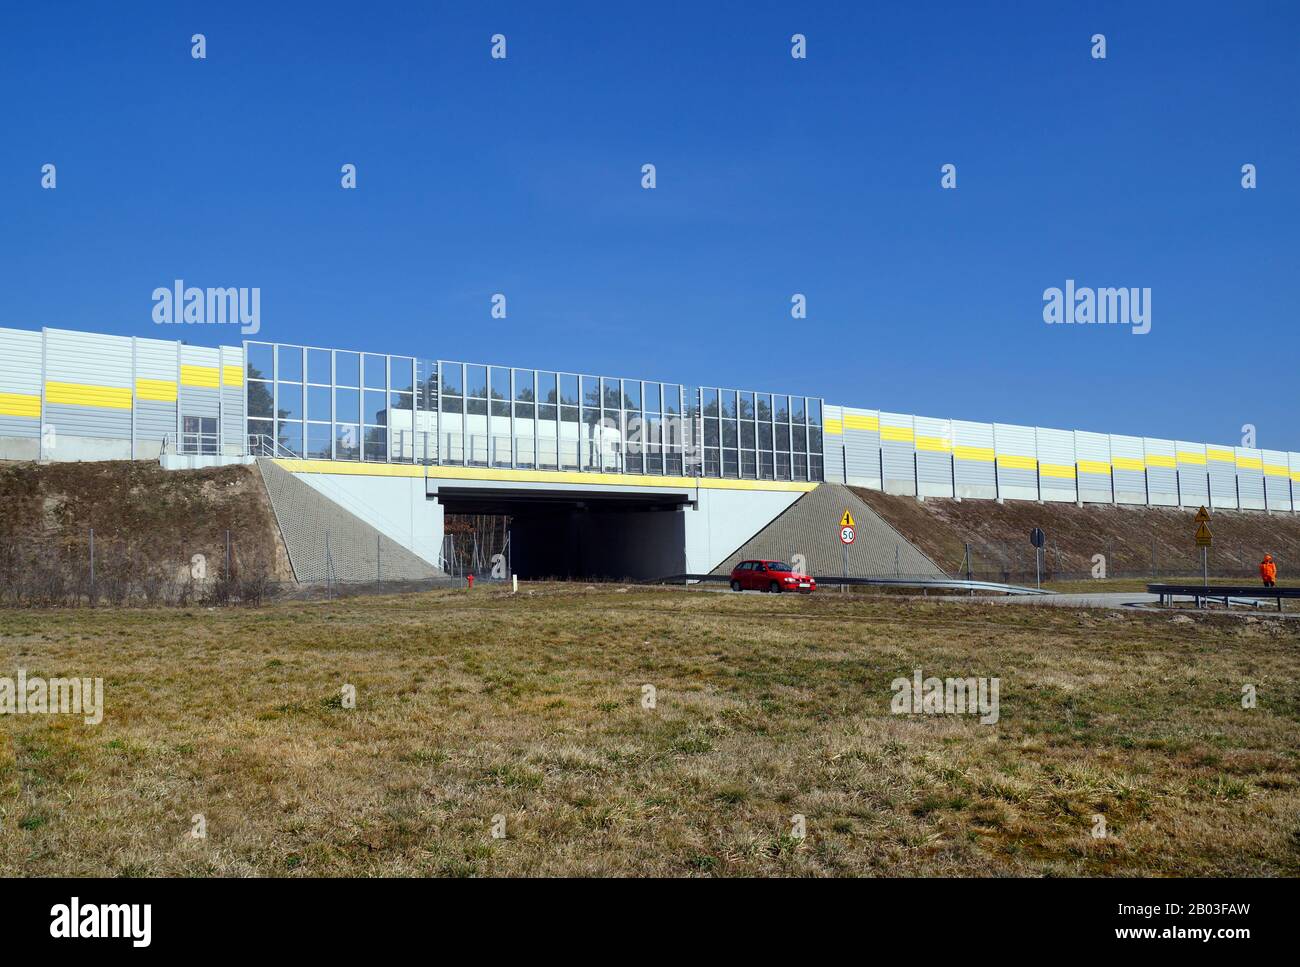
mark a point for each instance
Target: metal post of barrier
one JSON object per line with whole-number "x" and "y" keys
{"x": 92, "y": 564}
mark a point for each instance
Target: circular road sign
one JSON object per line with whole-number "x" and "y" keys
{"x": 847, "y": 535}
{"x": 1037, "y": 537}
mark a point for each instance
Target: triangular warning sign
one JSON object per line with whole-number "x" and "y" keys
{"x": 847, "y": 520}
{"x": 1203, "y": 536}
{"x": 1202, "y": 516}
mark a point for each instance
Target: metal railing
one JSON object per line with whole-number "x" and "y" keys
{"x": 264, "y": 445}
{"x": 522, "y": 452}
{"x": 198, "y": 444}
{"x": 915, "y": 583}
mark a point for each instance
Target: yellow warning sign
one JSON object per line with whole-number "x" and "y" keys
{"x": 1203, "y": 536}
{"x": 1202, "y": 516}
{"x": 847, "y": 520}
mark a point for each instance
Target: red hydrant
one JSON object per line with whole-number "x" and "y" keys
{"x": 470, "y": 579}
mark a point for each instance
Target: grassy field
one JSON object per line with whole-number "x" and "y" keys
{"x": 475, "y": 705}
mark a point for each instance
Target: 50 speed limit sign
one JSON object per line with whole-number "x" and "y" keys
{"x": 847, "y": 535}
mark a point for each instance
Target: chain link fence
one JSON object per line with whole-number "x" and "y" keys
{"x": 84, "y": 570}
{"x": 1014, "y": 562}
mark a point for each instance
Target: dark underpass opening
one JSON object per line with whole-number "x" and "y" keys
{"x": 581, "y": 534}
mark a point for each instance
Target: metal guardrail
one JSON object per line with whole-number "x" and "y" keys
{"x": 925, "y": 584}
{"x": 1229, "y": 593}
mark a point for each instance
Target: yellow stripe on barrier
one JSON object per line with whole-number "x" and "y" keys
{"x": 1295, "y": 475}
{"x": 1275, "y": 470}
{"x": 861, "y": 421}
{"x": 232, "y": 375}
{"x": 20, "y": 404}
{"x": 1160, "y": 460}
{"x": 1250, "y": 463}
{"x": 205, "y": 376}
{"x": 82, "y": 394}
{"x": 1220, "y": 456}
{"x": 1128, "y": 463}
{"x": 540, "y": 476}
{"x": 899, "y": 434}
{"x": 1197, "y": 458}
{"x": 1100, "y": 467}
{"x": 158, "y": 390}
{"x": 1057, "y": 470}
{"x": 1014, "y": 461}
{"x": 935, "y": 444}
{"x": 974, "y": 454}
{"x": 833, "y": 427}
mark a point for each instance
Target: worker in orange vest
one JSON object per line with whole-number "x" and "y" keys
{"x": 1268, "y": 571}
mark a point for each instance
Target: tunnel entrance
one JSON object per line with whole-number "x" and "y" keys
{"x": 582, "y": 534}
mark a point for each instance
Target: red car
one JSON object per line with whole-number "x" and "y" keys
{"x": 771, "y": 576}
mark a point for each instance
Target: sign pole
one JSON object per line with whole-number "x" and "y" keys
{"x": 1038, "y": 539}
{"x": 1203, "y": 540}
{"x": 848, "y": 534}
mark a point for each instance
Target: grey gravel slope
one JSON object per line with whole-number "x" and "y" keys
{"x": 306, "y": 517}
{"x": 811, "y": 527}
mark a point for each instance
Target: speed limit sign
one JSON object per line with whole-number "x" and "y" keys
{"x": 847, "y": 535}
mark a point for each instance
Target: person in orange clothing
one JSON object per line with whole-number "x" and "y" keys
{"x": 1268, "y": 571}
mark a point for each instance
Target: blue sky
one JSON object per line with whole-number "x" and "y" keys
{"x": 775, "y": 176}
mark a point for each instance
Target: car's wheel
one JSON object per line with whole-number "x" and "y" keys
{"x": 774, "y": 587}
{"x": 735, "y": 585}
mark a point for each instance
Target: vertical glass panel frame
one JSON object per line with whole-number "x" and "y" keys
{"x": 451, "y": 379}
{"x": 288, "y": 360}
{"x": 401, "y": 376}
{"x": 524, "y": 388}
{"x": 499, "y": 383}
{"x": 347, "y": 369}
{"x": 568, "y": 389}
{"x": 476, "y": 381}
{"x": 260, "y": 361}
{"x": 347, "y": 405}
{"x": 320, "y": 367}
{"x": 375, "y": 371}
{"x": 319, "y": 405}
{"x": 288, "y": 401}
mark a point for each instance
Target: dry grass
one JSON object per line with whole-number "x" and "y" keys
{"x": 1124, "y": 533}
{"x": 472, "y": 705}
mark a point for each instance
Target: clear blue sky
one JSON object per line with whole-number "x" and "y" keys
{"x": 775, "y": 176}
